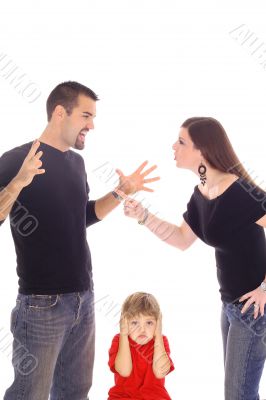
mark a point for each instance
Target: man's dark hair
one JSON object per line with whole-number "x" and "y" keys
{"x": 66, "y": 95}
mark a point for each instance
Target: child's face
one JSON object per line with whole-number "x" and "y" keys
{"x": 142, "y": 328}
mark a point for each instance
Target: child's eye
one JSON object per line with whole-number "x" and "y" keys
{"x": 150, "y": 323}
{"x": 134, "y": 322}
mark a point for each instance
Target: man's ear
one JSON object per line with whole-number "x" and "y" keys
{"x": 59, "y": 112}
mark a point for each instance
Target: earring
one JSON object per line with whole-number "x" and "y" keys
{"x": 202, "y": 172}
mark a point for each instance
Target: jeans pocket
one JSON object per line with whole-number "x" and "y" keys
{"x": 14, "y": 316}
{"x": 42, "y": 302}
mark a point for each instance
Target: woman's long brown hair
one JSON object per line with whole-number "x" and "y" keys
{"x": 209, "y": 136}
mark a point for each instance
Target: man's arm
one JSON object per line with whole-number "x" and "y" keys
{"x": 105, "y": 205}
{"x": 8, "y": 196}
{"x": 127, "y": 185}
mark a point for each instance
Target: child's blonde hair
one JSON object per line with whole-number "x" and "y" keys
{"x": 140, "y": 303}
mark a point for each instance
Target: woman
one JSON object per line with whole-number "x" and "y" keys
{"x": 227, "y": 211}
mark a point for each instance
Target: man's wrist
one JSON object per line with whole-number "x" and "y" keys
{"x": 118, "y": 194}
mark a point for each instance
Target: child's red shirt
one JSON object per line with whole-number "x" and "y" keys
{"x": 142, "y": 383}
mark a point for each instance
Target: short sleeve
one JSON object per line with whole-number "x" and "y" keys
{"x": 191, "y": 215}
{"x": 113, "y": 352}
{"x": 167, "y": 349}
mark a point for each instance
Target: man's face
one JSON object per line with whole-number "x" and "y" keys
{"x": 142, "y": 328}
{"x": 77, "y": 125}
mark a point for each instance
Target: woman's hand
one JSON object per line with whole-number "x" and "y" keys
{"x": 134, "y": 209}
{"x": 258, "y": 297}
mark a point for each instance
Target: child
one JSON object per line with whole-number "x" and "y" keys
{"x": 139, "y": 355}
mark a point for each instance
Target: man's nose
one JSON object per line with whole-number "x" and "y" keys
{"x": 90, "y": 125}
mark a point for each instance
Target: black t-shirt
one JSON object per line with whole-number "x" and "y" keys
{"x": 227, "y": 223}
{"x": 48, "y": 222}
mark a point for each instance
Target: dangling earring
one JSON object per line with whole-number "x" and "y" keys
{"x": 202, "y": 172}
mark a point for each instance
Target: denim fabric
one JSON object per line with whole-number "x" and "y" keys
{"x": 53, "y": 346}
{"x": 244, "y": 343}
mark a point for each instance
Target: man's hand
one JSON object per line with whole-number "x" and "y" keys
{"x": 30, "y": 167}
{"x": 135, "y": 182}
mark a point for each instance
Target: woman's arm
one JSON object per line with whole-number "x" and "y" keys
{"x": 178, "y": 236}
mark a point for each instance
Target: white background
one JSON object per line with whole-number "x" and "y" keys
{"x": 153, "y": 64}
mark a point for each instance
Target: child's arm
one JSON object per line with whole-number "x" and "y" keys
{"x": 123, "y": 361}
{"x": 161, "y": 363}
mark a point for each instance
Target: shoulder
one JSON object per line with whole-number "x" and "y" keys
{"x": 11, "y": 161}
{"x": 247, "y": 194}
{"x": 17, "y": 152}
{"x": 76, "y": 156}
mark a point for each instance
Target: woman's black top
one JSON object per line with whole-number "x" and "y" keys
{"x": 228, "y": 223}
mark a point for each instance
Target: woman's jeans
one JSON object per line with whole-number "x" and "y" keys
{"x": 244, "y": 342}
{"x": 53, "y": 347}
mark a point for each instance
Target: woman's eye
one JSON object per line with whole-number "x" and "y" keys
{"x": 180, "y": 141}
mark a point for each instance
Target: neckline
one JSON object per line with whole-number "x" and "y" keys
{"x": 54, "y": 148}
{"x": 220, "y": 195}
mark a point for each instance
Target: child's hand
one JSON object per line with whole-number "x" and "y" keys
{"x": 124, "y": 329}
{"x": 158, "y": 329}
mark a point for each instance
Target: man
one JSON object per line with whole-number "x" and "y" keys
{"x": 45, "y": 191}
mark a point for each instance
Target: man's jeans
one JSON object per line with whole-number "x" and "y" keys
{"x": 244, "y": 341}
{"x": 53, "y": 347}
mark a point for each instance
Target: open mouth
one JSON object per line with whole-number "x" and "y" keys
{"x": 82, "y": 135}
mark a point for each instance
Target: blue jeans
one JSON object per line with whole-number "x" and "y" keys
{"x": 53, "y": 346}
{"x": 244, "y": 343}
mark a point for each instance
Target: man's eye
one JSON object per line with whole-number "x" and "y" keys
{"x": 85, "y": 116}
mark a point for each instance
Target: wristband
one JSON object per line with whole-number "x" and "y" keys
{"x": 117, "y": 196}
{"x": 146, "y": 214}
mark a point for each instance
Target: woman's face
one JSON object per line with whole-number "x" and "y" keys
{"x": 185, "y": 154}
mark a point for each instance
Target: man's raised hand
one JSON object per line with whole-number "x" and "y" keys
{"x": 31, "y": 166}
